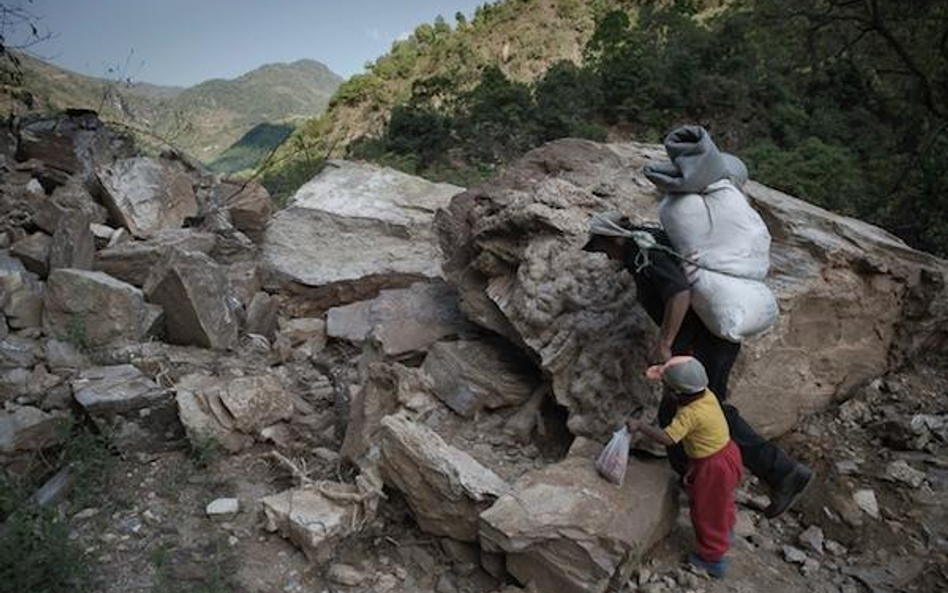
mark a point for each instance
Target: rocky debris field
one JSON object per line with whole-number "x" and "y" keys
{"x": 394, "y": 385}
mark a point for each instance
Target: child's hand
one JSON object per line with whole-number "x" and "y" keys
{"x": 632, "y": 425}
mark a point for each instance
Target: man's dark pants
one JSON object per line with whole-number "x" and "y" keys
{"x": 764, "y": 459}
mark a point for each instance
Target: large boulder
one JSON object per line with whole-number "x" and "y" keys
{"x": 133, "y": 261}
{"x": 470, "y": 376}
{"x": 356, "y": 228}
{"x": 446, "y": 488}
{"x": 95, "y": 309}
{"x": 21, "y": 294}
{"x": 403, "y": 320}
{"x": 33, "y": 251}
{"x": 565, "y": 529}
{"x": 76, "y": 142}
{"x": 195, "y": 293}
{"x": 73, "y": 244}
{"x": 248, "y": 204}
{"x": 147, "y": 195}
{"x": 29, "y": 429}
{"x": 853, "y": 298}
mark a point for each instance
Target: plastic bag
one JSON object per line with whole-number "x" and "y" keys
{"x": 614, "y": 459}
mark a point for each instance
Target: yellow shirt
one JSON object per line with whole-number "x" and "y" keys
{"x": 700, "y": 427}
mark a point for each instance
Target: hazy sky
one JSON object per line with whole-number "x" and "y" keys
{"x": 181, "y": 42}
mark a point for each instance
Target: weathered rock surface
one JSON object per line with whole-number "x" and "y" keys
{"x": 231, "y": 410}
{"x": 33, "y": 251}
{"x": 194, "y": 292}
{"x": 95, "y": 308}
{"x": 18, "y": 351}
{"x": 403, "y": 320}
{"x": 311, "y": 520}
{"x": 851, "y": 296}
{"x": 470, "y": 376}
{"x": 356, "y": 228}
{"x": 21, "y": 294}
{"x": 29, "y": 429}
{"x": 73, "y": 245}
{"x": 147, "y": 195}
{"x": 133, "y": 261}
{"x": 445, "y": 487}
{"x": 566, "y": 529}
{"x": 250, "y": 207}
{"x": 67, "y": 200}
{"x": 116, "y": 390}
{"x": 262, "y": 315}
{"x": 304, "y": 329}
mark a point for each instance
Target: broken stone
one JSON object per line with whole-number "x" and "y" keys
{"x": 794, "y": 554}
{"x": 249, "y": 206}
{"x": 512, "y": 249}
{"x": 33, "y": 251}
{"x": 445, "y": 487}
{"x": 835, "y": 548}
{"x": 222, "y": 507}
{"x": 101, "y": 233}
{"x": 95, "y": 309}
{"x": 147, "y": 195}
{"x": 810, "y": 567}
{"x": 21, "y": 296}
{"x": 18, "y": 352}
{"x": 566, "y": 529}
{"x": 67, "y": 200}
{"x": 384, "y": 387}
{"x": 355, "y": 229}
{"x": 471, "y": 376}
{"x": 812, "y": 537}
{"x": 133, "y": 261}
{"x": 73, "y": 245}
{"x": 312, "y": 521}
{"x": 403, "y": 320}
{"x": 855, "y": 410}
{"x": 116, "y": 390}
{"x": 195, "y": 295}
{"x": 304, "y": 329}
{"x": 847, "y": 467}
{"x": 866, "y": 500}
{"x": 29, "y": 429}
{"x": 63, "y": 356}
{"x": 345, "y": 575}
{"x": 900, "y": 471}
{"x": 262, "y": 315}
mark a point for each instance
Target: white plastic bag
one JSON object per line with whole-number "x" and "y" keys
{"x": 614, "y": 459}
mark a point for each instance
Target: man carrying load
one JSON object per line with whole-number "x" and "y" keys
{"x": 685, "y": 293}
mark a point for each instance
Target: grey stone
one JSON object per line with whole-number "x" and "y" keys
{"x": 64, "y": 356}
{"x": 73, "y": 245}
{"x": 901, "y": 471}
{"x": 29, "y": 429}
{"x": 262, "y": 315}
{"x": 403, "y": 320}
{"x": 133, "y": 261}
{"x": 470, "y": 376}
{"x": 812, "y": 538}
{"x": 866, "y": 500}
{"x": 195, "y": 295}
{"x": 222, "y": 507}
{"x": 96, "y": 309}
{"x": 312, "y": 521}
{"x": 794, "y": 554}
{"x": 21, "y": 295}
{"x": 116, "y": 390}
{"x": 147, "y": 195}
{"x": 19, "y": 352}
{"x": 33, "y": 251}
{"x": 346, "y": 575}
{"x": 249, "y": 206}
{"x": 356, "y": 228}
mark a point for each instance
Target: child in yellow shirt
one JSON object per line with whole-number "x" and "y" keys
{"x": 714, "y": 468}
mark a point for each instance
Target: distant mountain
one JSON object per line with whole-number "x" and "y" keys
{"x": 204, "y": 120}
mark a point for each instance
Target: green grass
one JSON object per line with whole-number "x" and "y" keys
{"x": 216, "y": 569}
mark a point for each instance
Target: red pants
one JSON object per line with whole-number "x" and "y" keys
{"x": 710, "y": 483}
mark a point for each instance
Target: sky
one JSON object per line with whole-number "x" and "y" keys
{"x": 183, "y": 42}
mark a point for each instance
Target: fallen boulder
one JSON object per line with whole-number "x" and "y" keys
{"x": 852, "y": 297}
{"x": 249, "y": 206}
{"x": 133, "y": 261}
{"x": 445, "y": 487}
{"x": 403, "y": 320}
{"x": 95, "y": 309}
{"x": 116, "y": 390}
{"x": 21, "y": 294}
{"x": 354, "y": 229}
{"x": 147, "y": 195}
{"x": 33, "y": 251}
{"x": 566, "y": 529}
{"x": 73, "y": 245}
{"x": 470, "y": 376}
{"x": 195, "y": 294}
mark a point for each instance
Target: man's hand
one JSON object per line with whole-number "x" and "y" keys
{"x": 632, "y": 425}
{"x": 660, "y": 353}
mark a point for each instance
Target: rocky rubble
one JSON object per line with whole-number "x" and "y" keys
{"x": 406, "y": 428}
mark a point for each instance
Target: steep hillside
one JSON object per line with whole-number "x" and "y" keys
{"x": 251, "y": 148}
{"x": 521, "y": 37}
{"x": 203, "y": 120}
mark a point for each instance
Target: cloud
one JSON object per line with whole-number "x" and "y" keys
{"x": 403, "y": 36}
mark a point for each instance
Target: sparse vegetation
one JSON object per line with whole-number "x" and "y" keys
{"x": 213, "y": 565}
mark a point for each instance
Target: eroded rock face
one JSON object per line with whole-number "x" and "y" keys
{"x": 356, "y": 228}
{"x": 403, "y": 320}
{"x": 470, "y": 376}
{"x": 195, "y": 293}
{"x": 95, "y": 308}
{"x": 851, "y": 296}
{"x": 446, "y": 488}
{"x": 566, "y": 529}
{"x": 147, "y": 195}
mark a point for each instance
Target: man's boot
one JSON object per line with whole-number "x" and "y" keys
{"x": 790, "y": 490}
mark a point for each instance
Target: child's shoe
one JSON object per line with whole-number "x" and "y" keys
{"x": 715, "y": 569}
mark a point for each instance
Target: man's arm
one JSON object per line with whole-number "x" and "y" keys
{"x": 656, "y": 434}
{"x": 676, "y": 307}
